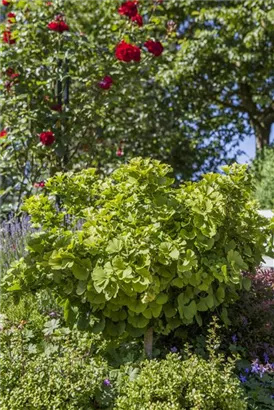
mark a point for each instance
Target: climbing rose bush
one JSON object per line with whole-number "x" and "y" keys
{"x": 66, "y": 94}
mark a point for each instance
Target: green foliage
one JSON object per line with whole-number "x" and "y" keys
{"x": 262, "y": 169}
{"x": 55, "y": 367}
{"x": 49, "y": 64}
{"x": 258, "y": 385}
{"x": 193, "y": 383}
{"x": 222, "y": 67}
{"x": 95, "y": 122}
{"x": 146, "y": 254}
{"x": 61, "y": 376}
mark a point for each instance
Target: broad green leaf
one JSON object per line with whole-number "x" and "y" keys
{"x": 80, "y": 272}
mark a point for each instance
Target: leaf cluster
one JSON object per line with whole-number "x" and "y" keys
{"x": 144, "y": 253}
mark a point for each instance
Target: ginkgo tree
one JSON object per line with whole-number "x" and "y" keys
{"x": 140, "y": 256}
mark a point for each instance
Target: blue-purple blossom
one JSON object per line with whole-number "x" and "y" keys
{"x": 107, "y": 382}
{"x": 266, "y": 357}
{"x": 174, "y": 349}
{"x": 255, "y": 367}
{"x": 242, "y": 378}
{"x": 247, "y": 370}
{"x": 234, "y": 339}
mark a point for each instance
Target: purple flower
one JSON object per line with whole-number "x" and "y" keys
{"x": 234, "y": 339}
{"x": 107, "y": 382}
{"x": 266, "y": 358}
{"x": 272, "y": 396}
{"x": 52, "y": 314}
{"x": 242, "y": 378}
{"x": 174, "y": 349}
{"x": 255, "y": 367}
{"x": 247, "y": 370}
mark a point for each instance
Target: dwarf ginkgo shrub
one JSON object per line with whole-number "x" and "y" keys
{"x": 142, "y": 255}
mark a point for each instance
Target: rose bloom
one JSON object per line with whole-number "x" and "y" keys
{"x": 7, "y": 37}
{"x": 119, "y": 152}
{"x": 11, "y": 73}
{"x": 11, "y": 18}
{"x": 6, "y": 2}
{"x": 106, "y": 83}
{"x": 3, "y": 134}
{"x": 128, "y": 8}
{"x": 59, "y": 26}
{"x": 39, "y": 184}
{"x": 154, "y": 47}
{"x": 137, "y": 19}
{"x": 47, "y": 137}
{"x": 127, "y": 52}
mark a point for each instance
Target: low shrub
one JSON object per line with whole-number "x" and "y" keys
{"x": 49, "y": 367}
{"x": 181, "y": 385}
{"x": 258, "y": 381}
{"x": 51, "y": 382}
{"x": 192, "y": 383}
{"x": 252, "y": 326}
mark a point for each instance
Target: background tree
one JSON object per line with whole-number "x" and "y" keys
{"x": 222, "y": 66}
{"x": 262, "y": 169}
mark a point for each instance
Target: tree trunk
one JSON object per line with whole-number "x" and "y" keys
{"x": 262, "y": 133}
{"x": 261, "y": 121}
{"x": 148, "y": 342}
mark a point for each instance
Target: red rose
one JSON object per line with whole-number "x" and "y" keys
{"x": 11, "y": 17}
{"x": 49, "y": 3}
{"x": 6, "y": 2}
{"x": 154, "y": 47}
{"x": 106, "y": 83}
{"x": 137, "y": 19}
{"x": 39, "y": 184}
{"x": 59, "y": 26}
{"x": 47, "y": 137}
{"x": 7, "y": 37}
{"x": 128, "y": 8}
{"x": 3, "y": 134}
{"x": 9, "y": 72}
{"x": 127, "y": 52}
{"x": 119, "y": 152}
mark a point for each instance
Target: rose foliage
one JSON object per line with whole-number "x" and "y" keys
{"x": 144, "y": 254}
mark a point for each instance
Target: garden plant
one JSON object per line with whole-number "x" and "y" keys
{"x": 129, "y": 259}
{"x": 142, "y": 256}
